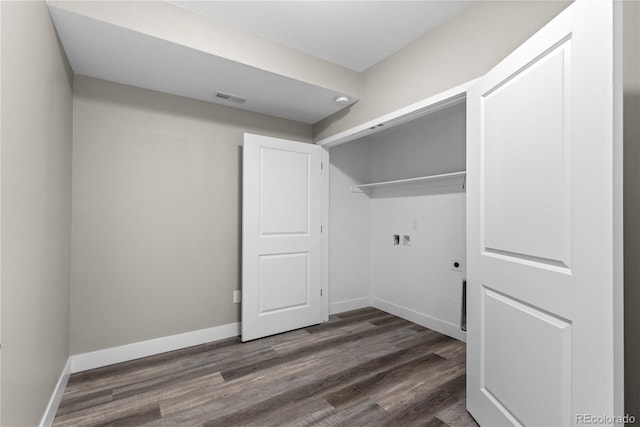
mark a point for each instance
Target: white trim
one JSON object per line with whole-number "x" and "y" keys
{"x": 348, "y": 305}
{"x": 618, "y": 210}
{"x": 56, "y": 397}
{"x": 421, "y": 319}
{"x": 324, "y": 219}
{"x": 109, "y": 356}
{"x": 429, "y": 105}
{"x": 1, "y": 145}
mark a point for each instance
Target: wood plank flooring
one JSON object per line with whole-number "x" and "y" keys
{"x": 362, "y": 368}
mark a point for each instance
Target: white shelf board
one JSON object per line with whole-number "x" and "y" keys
{"x": 454, "y": 180}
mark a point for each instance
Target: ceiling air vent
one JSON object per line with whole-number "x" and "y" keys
{"x": 233, "y": 98}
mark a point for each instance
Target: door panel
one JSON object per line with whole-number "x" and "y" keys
{"x": 533, "y": 382}
{"x": 281, "y": 253}
{"x": 284, "y": 202}
{"x": 527, "y": 164}
{"x": 284, "y": 281}
{"x": 541, "y": 228}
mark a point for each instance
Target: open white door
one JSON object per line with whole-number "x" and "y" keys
{"x": 544, "y": 241}
{"x": 281, "y": 236}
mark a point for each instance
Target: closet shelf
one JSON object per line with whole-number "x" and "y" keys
{"x": 454, "y": 180}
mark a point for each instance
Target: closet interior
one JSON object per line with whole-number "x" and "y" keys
{"x": 397, "y": 215}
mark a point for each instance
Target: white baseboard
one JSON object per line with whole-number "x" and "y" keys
{"x": 56, "y": 397}
{"x": 123, "y": 353}
{"x": 347, "y": 305}
{"x": 421, "y": 319}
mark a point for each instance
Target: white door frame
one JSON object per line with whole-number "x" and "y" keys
{"x": 324, "y": 219}
{"x": 618, "y": 207}
{"x": 0, "y": 226}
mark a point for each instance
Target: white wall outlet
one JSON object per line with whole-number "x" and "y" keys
{"x": 237, "y": 297}
{"x": 456, "y": 265}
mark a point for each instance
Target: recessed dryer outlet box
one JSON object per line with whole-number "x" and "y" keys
{"x": 456, "y": 265}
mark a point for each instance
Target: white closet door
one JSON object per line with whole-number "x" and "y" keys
{"x": 281, "y": 240}
{"x": 543, "y": 233}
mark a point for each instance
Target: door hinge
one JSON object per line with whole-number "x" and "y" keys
{"x": 320, "y": 292}
{"x": 321, "y": 165}
{"x": 321, "y": 229}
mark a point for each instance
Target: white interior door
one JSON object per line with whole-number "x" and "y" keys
{"x": 281, "y": 236}
{"x": 544, "y": 241}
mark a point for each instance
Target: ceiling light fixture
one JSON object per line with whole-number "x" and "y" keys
{"x": 342, "y": 100}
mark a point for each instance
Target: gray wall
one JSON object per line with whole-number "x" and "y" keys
{"x": 156, "y": 212}
{"x": 36, "y": 210}
{"x": 418, "y": 278}
{"x": 428, "y": 145}
{"x": 462, "y": 49}
{"x": 349, "y": 230}
{"x": 631, "y": 69}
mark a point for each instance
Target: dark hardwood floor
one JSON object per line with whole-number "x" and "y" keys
{"x": 362, "y": 368}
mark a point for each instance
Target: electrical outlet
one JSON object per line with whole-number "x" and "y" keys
{"x": 237, "y": 297}
{"x": 456, "y": 265}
